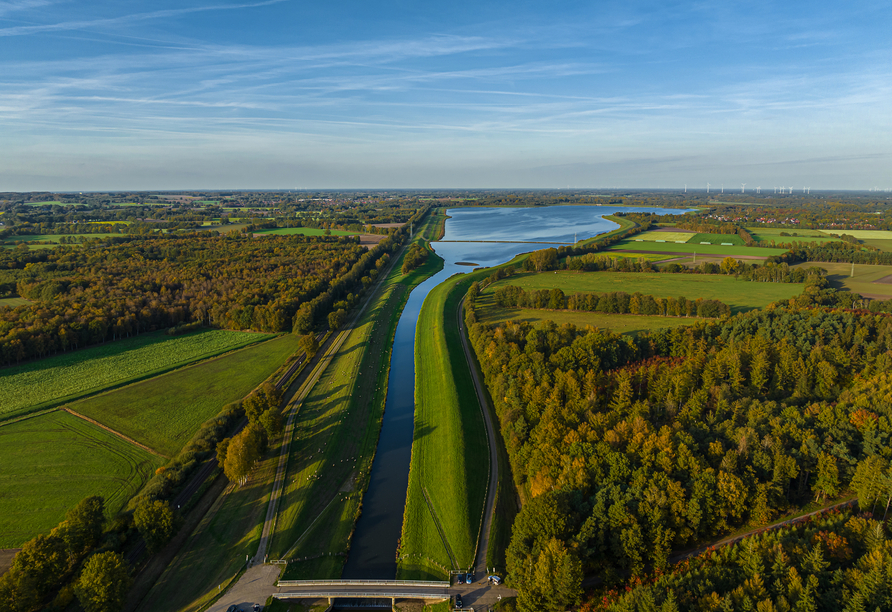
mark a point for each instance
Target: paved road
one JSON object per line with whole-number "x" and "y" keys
{"x": 483, "y": 541}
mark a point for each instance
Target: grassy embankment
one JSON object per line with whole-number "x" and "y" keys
{"x": 336, "y": 435}
{"x": 739, "y": 295}
{"x": 164, "y": 412}
{"x": 53, "y": 461}
{"x": 43, "y": 383}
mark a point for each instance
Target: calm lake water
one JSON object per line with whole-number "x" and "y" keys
{"x": 375, "y": 541}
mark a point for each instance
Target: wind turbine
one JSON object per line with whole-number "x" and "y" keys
{"x": 743, "y": 188}
{"x": 707, "y": 187}
{"x": 723, "y": 188}
{"x": 758, "y": 190}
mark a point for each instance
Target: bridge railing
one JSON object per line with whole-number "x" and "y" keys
{"x": 437, "y": 584}
{"x": 359, "y": 595}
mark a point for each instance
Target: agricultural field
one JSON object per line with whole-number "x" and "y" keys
{"x": 488, "y": 312}
{"x": 869, "y": 281}
{"x": 52, "y": 461}
{"x": 883, "y": 245}
{"x": 165, "y": 411}
{"x": 861, "y": 234}
{"x": 54, "y": 380}
{"x": 739, "y": 295}
{"x": 449, "y": 453}
{"x": 664, "y": 236}
{"x": 801, "y": 235}
{"x": 304, "y": 231}
{"x": 705, "y": 249}
{"x": 720, "y": 239}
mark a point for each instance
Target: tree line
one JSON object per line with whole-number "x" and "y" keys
{"x": 512, "y": 296}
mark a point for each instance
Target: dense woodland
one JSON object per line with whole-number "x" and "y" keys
{"x": 85, "y": 296}
{"x": 632, "y": 449}
{"x": 838, "y": 562}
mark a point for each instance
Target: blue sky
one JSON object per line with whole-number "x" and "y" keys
{"x": 296, "y": 94}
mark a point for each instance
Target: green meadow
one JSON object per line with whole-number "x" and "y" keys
{"x": 165, "y": 411}
{"x": 52, "y": 461}
{"x": 47, "y": 382}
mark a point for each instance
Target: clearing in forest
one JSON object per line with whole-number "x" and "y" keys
{"x": 52, "y": 461}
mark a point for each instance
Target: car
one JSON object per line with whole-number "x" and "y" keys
{"x": 460, "y": 579}
{"x": 233, "y": 608}
{"x": 470, "y": 578}
{"x": 458, "y": 603}
{"x": 257, "y": 607}
{"x": 495, "y": 580}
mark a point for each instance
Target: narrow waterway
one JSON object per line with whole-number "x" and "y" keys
{"x": 375, "y": 541}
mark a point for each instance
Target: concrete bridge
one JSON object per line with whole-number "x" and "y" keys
{"x": 480, "y": 594}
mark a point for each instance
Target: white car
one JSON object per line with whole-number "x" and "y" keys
{"x": 495, "y": 580}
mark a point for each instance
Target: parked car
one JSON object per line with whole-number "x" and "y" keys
{"x": 458, "y": 603}
{"x": 495, "y": 580}
{"x": 470, "y": 578}
{"x": 233, "y": 608}
{"x": 460, "y": 579}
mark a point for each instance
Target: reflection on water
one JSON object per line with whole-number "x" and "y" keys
{"x": 374, "y": 545}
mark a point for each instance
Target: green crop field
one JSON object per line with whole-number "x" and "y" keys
{"x": 449, "y": 469}
{"x": 304, "y": 231}
{"x": 52, "y": 461}
{"x": 883, "y": 245}
{"x": 653, "y": 236}
{"x": 164, "y": 412}
{"x": 801, "y": 235}
{"x": 865, "y": 281}
{"x": 628, "y": 324}
{"x": 720, "y": 239}
{"x": 54, "y": 380}
{"x": 704, "y": 249}
{"x": 739, "y": 295}
{"x": 49, "y": 203}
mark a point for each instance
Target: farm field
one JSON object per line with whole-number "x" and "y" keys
{"x": 739, "y": 295}
{"x": 56, "y": 238}
{"x": 705, "y": 249}
{"x": 861, "y": 234}
{"x": 449, "y": 453}
{"x": 883, "y": 245}
{"x": 802, "y": 235}
{"x": 663, "y": 236}
{"x": 304, "y": 231}
{"x": 720, "y": 239}
{"x": 864, "y": 281}
{"x": 52, "y": 461}
{"x": 165, "y": 411}
{"x": 488, "y": 312}
{"x": 65, "y": 377}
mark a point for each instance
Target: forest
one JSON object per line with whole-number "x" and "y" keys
{"x": 630, "y": 449}
{"x": 84, "y": 296}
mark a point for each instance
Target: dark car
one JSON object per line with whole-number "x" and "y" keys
{"x": 460, "y": 579}
{"x": 233, "y": 608}
{"x": 458, "y": 603}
